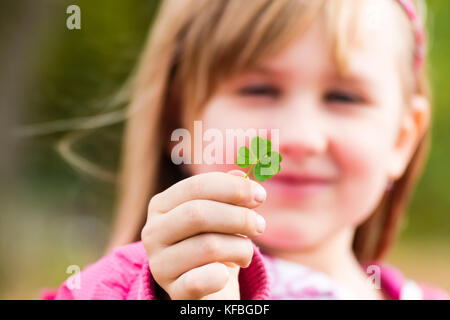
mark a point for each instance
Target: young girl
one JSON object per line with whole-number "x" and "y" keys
{"x": 343, "y": 81}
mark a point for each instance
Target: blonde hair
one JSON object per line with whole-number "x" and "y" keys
{"x": 192, "y": 47}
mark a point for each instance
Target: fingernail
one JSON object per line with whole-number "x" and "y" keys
{"x": 260, "y": 193}
{"x": 260, "y": 223}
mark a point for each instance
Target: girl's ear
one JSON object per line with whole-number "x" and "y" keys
{"x": 413, "y": 125}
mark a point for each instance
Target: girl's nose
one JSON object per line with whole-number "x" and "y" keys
{"x": 302, "y": 133}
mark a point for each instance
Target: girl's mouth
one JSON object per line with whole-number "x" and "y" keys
{"x": 296, "y": 186}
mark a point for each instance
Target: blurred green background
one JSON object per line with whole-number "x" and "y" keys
{"x": 53, "y": 216}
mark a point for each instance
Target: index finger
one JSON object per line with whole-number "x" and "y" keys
{"x": 217, "y": 186}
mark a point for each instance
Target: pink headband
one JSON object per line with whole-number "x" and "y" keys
{"x": 419, "y": 31}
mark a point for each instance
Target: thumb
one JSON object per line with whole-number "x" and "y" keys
{"x": 238, "y": 173}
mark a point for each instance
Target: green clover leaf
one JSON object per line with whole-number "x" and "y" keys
{"x": 261, "y": 158}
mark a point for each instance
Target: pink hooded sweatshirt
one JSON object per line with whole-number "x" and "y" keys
{"x": 124, "y": 274}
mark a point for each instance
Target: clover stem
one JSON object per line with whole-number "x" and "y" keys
{"x": 250, "y": 170}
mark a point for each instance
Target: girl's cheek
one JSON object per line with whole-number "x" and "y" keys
{"x": 362, "y": 161}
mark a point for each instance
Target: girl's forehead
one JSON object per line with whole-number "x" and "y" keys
{"x": 337, "y": 32}
{"x": 374, "y": 46}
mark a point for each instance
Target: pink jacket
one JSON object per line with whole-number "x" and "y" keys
{"x": 124, "y": 274}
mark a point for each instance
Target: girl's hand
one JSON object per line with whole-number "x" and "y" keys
{"x": 195, "y": 235}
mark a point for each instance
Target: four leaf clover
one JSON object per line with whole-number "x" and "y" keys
{"x": 261, "y": 158}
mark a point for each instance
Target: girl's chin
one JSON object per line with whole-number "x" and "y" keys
{"x": 281, "y": 241}
{"x": 291, "y": 229}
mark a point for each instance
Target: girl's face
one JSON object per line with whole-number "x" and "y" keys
{"x": 344, "y": 133}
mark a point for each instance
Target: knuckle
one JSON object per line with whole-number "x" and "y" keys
{"x": 248, "y": 218}
{"x": 156, "y": 266}
{"x": 145, "y": 232}
{"x": 153, "y": 202}
{"x": 149, "y": 246}
{"x": 211, "y": 247}
{"x": 148, "y": 229}
{"x": 195, "y": 213}
{"x": 193, "y": 286}
{"x": 149, "y": 235}
{"x": 242, "y": 191}
{"x": 196, "y": 185}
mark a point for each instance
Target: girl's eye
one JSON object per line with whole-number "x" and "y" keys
{"x": 343, "y": 97}
{"x": 259, "y": 90}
